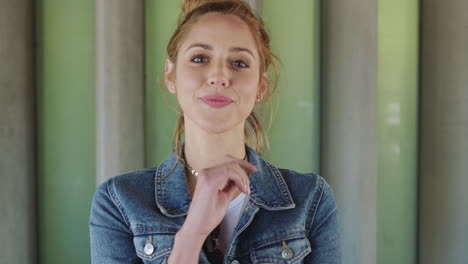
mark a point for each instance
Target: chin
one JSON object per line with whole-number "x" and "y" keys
{"x": 217, "y": 126}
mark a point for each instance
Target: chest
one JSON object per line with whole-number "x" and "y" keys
{"x": 260, "y": 236}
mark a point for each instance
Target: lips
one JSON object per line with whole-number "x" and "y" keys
{"x": 216, "y": 101}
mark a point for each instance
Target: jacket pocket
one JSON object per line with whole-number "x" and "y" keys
{"x": 153, "y": 246}
{"x": 292, "y": 250}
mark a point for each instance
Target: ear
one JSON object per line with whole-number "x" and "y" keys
{"x": 169, "y": 76}
{"x": 263, "y": 87}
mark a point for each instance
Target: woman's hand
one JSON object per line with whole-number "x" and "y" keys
{"x": 215, "y": 188}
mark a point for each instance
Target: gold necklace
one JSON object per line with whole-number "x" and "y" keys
{"x": 194, "y": 172}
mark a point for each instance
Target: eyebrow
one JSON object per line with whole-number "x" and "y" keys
{"x": 208, "y": 47}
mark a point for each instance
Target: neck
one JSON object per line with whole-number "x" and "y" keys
{"x": 204, "y": 150}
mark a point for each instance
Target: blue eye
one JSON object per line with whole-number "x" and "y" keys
{"x": 240, "y": 64}
{"x": 199, "y": 59}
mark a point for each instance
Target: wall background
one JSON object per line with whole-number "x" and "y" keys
{"x": 374, "y": 99}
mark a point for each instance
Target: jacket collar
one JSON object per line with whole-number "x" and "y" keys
{"x": 268, "y": 189}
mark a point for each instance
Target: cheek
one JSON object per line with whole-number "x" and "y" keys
{"x": 248, "y": 97}
{"x": 188, "y": 80}
{"x": 249, "y": 87}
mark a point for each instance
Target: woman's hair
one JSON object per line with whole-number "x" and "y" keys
{"x": 192, "y": 10}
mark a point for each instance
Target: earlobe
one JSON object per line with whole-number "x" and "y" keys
{"x": 171, "y": 88}
{"x": 263, "y": 87}
{"x": 168, "y": 76}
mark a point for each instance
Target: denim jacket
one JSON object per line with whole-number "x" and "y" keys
{"x": 290, "y": 217}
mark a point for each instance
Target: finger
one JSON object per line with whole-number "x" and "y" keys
{"x": 244, "y": 164}
{"x": 224, "y": 173}
{"x": 230, "y": 190}
{"x": 236, "y": 174}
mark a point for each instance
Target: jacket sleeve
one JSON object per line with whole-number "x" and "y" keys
{"x": 111, "y": 237}
{"x": 324, "y": 234}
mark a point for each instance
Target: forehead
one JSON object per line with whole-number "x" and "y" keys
{"x": 220, "y": 30}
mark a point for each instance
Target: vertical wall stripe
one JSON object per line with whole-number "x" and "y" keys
{"x": 295, "y": 39}
{"x": 161, "y": 21}
{"x": 67, "y": 130}
{"x": 119, "y": 87}
{"x": 397, "y": 131}
{"x": 349, "y": 121}
{"x": 17, "y": 133}
{"x": 257, "y": 5}
{"x": 443, "y": 230}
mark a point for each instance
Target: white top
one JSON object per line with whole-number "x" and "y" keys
{"x": 230, "y": 220}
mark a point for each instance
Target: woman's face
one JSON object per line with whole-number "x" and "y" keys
{"x": 217, "y": 73}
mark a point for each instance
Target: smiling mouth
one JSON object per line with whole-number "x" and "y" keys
{"x": 216, "y": 101}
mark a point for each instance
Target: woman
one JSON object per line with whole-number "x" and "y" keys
{"x": 214, "y": 199}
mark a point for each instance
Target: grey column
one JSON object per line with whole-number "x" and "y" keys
{"x": 120, "y": 86}
{"x": 443, "y": 229}
{"x": 349, "y": 121}
{"x": 17, "y": 133}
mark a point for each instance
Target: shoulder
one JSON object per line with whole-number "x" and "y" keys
{"x": 130, "y": 187}
{"x": 133, "y": 181}
{"x": 311, "y": 183}
{"x": 311, "y": 192}
{"x": 129, "y": 180}
{"x": 296, "y": 178}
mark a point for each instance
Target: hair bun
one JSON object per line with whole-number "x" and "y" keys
{"x": 189, "y": 5}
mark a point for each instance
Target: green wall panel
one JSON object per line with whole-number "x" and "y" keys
{"x": 397, "y": 132}
{"x": 66, "y": 132}
{"x": 295, "y": 34}
{"x": 161, "y": 21}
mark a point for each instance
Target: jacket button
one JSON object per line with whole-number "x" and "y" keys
{"x": 235, "y": 262}
{"x": 149, "y": 249}
{"x": 286, "y": 253}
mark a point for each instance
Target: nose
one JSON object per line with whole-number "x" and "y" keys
{"x": 219, "y": 81}
{"x": 219, "y": 77}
